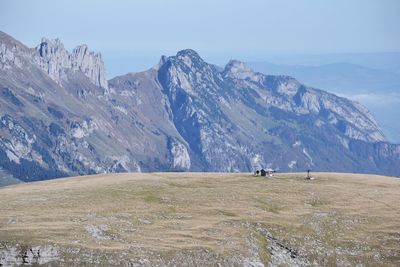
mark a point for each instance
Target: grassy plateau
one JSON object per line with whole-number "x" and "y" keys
{"x": 202, "y": 219}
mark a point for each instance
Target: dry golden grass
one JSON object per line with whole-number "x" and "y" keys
{"x": 336, "y": 219}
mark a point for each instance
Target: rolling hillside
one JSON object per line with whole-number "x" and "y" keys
{"x": 202, "y": 219}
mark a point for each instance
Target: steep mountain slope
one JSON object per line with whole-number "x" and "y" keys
{"x": 59, "y": 116}
{"x": 234, "y": 119}
{"x": 48, "y": 116}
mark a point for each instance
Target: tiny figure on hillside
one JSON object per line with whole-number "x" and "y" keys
{"x": 309, "y": 177}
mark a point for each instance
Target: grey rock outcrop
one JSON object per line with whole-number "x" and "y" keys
{"x": 12, "y": 52}
{"x": 91, "y": 64}
{"x": 288, "y": 94}
{"x": 55, "y": 60}
{"x": 37, "y": 255}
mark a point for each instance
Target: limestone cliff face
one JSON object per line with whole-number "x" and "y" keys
{"x": 286, "y": 93}
{"x": 55, "y": 60}
{"x": 91, "y": 64}
{"x": 52, "y": 57}
{"x": 12, "y": 52}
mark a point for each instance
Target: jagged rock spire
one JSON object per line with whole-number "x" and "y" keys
{"x": 238, "y": 69}
{"x": 54, "y": 59}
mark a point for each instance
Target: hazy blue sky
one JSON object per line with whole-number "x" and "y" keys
{"x": 133, "y": 34}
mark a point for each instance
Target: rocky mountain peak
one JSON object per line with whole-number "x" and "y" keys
{"x": 8, "y": 40}
{"x": 237, "y": 66}
{"x": 239, "y": 70}
{"x": 50, "y": 46}
{"x": 91, "y": 64}
{"x": 80, "y": 49}
{"x": 187, "y": 71}
{"x": 190, "y": 58}
{"x": 188, "y": 53}
{"x": 12, "y": 52}
{"x": 55, "y": 60}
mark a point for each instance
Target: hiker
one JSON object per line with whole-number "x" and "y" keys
{"x": 309, "y": 177}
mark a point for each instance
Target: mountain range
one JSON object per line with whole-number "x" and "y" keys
{"x": 60, "y": 116}
{"x": 376, "y": 87}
